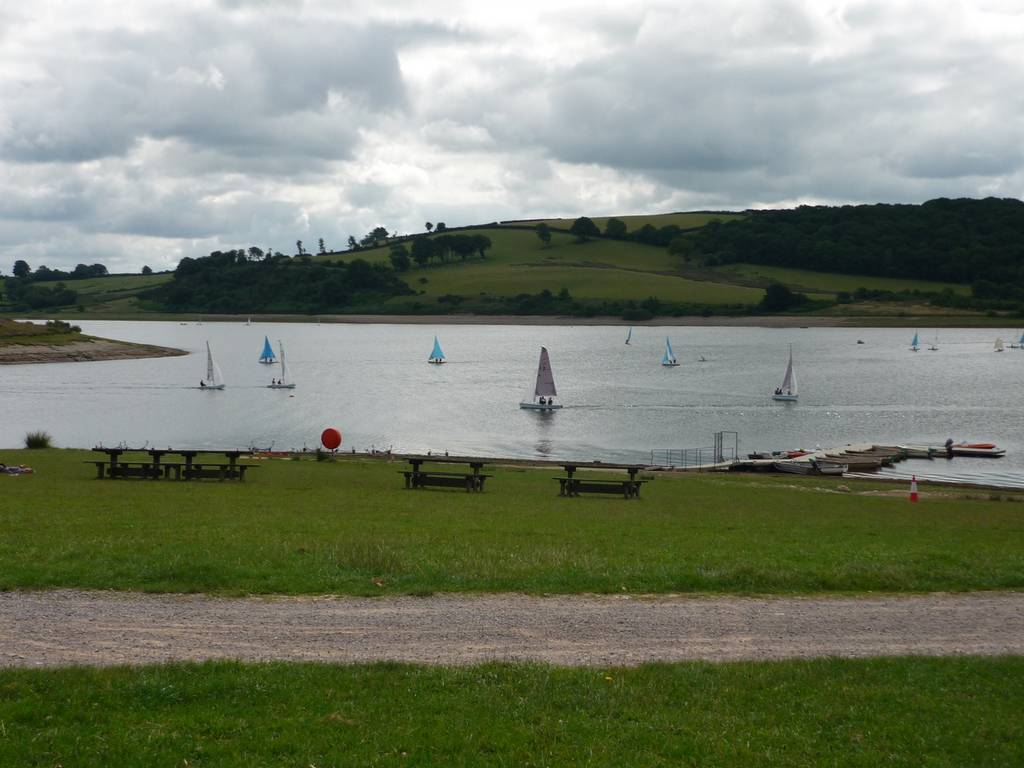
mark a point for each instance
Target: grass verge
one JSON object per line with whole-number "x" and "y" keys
{"x": 899, "y": 712}
{"x": 349, "y": 527}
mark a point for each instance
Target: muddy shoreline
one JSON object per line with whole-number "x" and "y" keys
{"x": 89, "y": 349}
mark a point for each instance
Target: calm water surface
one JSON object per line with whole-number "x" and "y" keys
{"x": 373, "y": 382}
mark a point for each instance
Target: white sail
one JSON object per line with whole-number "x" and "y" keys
{"x": 214, "y": 379}
{"x": 545, "y": 386}
{"x": 999, "y": 344}
{"x": 283, "y": 382}
{"x": 788, "y": 390}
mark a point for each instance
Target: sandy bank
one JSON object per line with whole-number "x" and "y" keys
{"x": 89, "y": 348}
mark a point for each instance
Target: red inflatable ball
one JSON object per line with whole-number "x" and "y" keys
{"x": 331, "y": 438}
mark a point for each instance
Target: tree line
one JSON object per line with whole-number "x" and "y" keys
{"x": 252, "y": 280}
{"x": 959, "y": 241}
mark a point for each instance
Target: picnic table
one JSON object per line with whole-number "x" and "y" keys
{"x": 570, "y": 485}
{"x": 156, "y": 468}
{"x": 417, "y": 477}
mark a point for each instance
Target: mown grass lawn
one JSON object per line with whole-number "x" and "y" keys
{"x": 866, "y": 713}
{"x": 350, "y": 527}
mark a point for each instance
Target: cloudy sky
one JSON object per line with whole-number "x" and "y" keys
{"x": 136, "y": 133}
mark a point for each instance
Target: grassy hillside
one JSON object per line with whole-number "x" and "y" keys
{"x": 600, "y": 269}
{"x": 683, "y": 220}
{"x": 602, "y": 277}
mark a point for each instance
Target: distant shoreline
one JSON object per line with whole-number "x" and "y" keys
{"x": 89, "y": 349}
{"x": 730, "y": 321}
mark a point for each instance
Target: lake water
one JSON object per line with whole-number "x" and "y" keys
{"x": 373, "y": 383}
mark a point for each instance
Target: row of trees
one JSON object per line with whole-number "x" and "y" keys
{"x": 959, "y": 241}
{"x": 23, "y": 271}
{"x": 232, "y": 281}
{"x": 584, "y": 229}
{"x": 425, "y": 250}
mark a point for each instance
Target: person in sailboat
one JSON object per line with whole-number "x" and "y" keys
{"x": 202, "y": 383}
{"x": 543, "y": 401}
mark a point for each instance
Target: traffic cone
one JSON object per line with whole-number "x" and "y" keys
{"x": 913, "y": 488}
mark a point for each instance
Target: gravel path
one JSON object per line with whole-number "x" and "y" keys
{"x": 101, "y": 628}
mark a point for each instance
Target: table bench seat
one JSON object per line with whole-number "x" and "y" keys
{"x": 471, "y": 481}
{"x": 574, "y": 486}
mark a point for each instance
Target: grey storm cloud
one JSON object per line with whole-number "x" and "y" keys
{"x": 223, "y": 123}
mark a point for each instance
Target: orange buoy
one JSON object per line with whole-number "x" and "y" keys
{"x": 913, "y": 488}
{"x": 331, "y": 438}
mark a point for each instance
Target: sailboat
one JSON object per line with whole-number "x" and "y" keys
{"x": 934, "y": 346}
{"x": 1019, "y": 344}
{"x": 788, "y": 389}
{"x": 914, "y": 345}
{"x": 214, "y": 379}
{"x": 267, "y": 355}
{"x": 999, "y": 344}
{"x": 544, "y": 390}
{"x": 283, "y": 382}
{"x": 436, "y": 355}
{"x": 629, "y": 335}
{"x": 669, "y": 358}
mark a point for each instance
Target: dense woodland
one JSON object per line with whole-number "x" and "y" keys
{"x": 230, "y": 281}
{"x": 961, "y": 241}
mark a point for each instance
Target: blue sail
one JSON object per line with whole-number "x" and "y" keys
{"x": 267, "y": 356}
{"x": 436, "y": 354}
{"x": 914, "y": 342}
{"x": 670, "y": 356}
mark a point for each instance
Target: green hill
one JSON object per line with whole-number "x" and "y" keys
{"x": 850, "y": 260}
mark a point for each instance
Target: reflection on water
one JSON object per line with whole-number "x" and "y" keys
{"x": 374, "y": 383}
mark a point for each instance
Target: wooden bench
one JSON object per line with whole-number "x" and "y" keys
{"x": 417, "y": 477}
{"x": 215, "y": 471}
{"x": 147, "y": 470}
{"x": 473, "y": 482}
{"x": 570, "y": 485}
{"x": 574, "y": 486}
{"x": 155, "y": 468}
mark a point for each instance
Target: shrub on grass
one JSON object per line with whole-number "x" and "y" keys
{"x": 38, "y": 439}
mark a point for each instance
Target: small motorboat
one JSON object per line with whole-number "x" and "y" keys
{"x": 990, "y": 450}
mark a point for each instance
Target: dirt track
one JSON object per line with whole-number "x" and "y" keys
{"x": 103, "y": 628}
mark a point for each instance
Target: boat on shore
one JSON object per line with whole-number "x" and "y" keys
{"x": 988, "y": 450}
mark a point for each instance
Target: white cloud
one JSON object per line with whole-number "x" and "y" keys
{"x": 140, "y": 133}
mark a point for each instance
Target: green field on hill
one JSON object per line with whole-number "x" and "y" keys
{"x": 350, "y": 527}
{"x": 682, "y": 220}
{"x": 821, "y": 282}
{"x": 863, "y": 713}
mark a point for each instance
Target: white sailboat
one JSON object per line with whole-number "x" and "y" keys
{"x": 999, "y": 344}
{"x": 544, "y": 390}
{"x": 283, "y": 382}
{"x": 1019, "y": 344}
{"x": 436, "y": 355}
{"x": 914, "y": 345}
{"x": 629, "y": 336}
{"x": 214, "y": 379}
{"x": 934, "y": 346}
{"x": 669, "y": 358}
{"x": 788, "y": 390}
